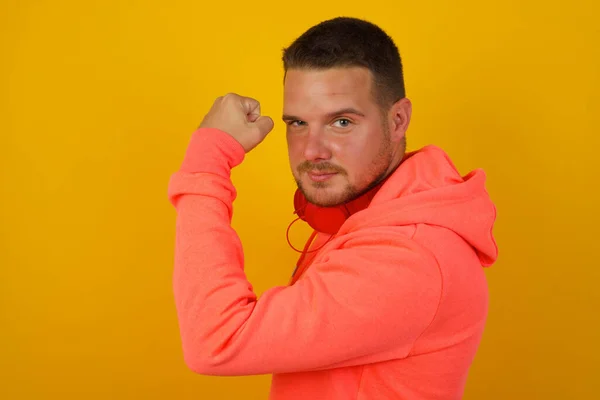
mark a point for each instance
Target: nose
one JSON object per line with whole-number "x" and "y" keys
{"x": 316, "y": 147}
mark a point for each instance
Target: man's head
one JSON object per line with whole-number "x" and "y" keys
{"x": 345, "y": 109}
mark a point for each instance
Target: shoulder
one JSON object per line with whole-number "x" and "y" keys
{"x": 384, "y": 252}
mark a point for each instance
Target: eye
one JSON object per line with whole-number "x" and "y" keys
{"x": 343, "y": 122}
{"x": 296, "y": 122}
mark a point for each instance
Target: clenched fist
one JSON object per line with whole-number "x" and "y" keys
{"x": 240, "y": 117}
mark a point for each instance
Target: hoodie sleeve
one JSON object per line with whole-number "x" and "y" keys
{"x": 365, "y": 302}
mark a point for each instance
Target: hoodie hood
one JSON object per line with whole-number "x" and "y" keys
{"x": 426, "y": 188}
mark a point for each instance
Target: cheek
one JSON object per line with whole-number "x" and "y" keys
{"x": 295, "y": 152}
{"x": 292, "y": 146}
{"x": 356, "y": 155}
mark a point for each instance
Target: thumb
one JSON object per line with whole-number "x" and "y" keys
{"x": 264, "y": 125}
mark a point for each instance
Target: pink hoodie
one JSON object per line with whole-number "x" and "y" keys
{"x": 393, "y": 306}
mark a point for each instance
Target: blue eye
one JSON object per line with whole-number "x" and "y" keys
{"x": 344, "y": 122}
{"x": 296, "y": 122}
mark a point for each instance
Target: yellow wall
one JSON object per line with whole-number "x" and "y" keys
{"x": 97, "y": 102}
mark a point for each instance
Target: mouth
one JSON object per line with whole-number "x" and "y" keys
{"x": 320, "y": 176}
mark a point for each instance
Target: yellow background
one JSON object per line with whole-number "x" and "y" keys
{"x": 97, "y": 102}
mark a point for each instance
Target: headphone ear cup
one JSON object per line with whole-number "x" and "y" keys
{"x": 322, "y": 219}
{"x": 300, "y": 204}
{"x": 326, "y": 219}
{"x": 330, "y": 219}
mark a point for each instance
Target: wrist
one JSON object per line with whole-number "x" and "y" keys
{"x": 212, "y": 150}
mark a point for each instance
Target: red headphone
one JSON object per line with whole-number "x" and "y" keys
{"x": 330, "y": 219}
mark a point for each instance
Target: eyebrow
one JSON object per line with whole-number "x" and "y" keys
{"x": 348, "y": 110}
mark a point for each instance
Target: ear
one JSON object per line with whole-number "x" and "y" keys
{"x": 399, "y": 119}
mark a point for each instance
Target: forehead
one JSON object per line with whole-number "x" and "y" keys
{"x": 313, "y": 91}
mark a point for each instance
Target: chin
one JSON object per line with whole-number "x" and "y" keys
{"x": 325, "y": 201}
{"x": 325, "y": 195}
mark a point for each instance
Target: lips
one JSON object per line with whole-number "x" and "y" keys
{"x": 315, "y": 173}
{"x": 320, "y": 176}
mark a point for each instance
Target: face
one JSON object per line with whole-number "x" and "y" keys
{"x": 340, "y": 142}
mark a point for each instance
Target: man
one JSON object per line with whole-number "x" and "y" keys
{"x": 389, "y": 299}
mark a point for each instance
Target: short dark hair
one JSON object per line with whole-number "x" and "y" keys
{"x": 351, "y": 42}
